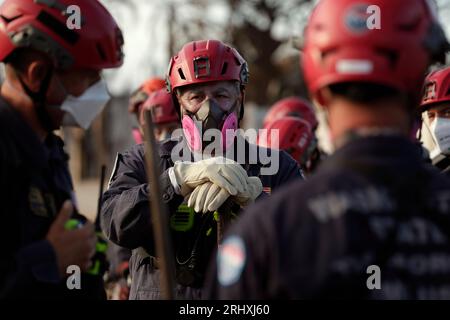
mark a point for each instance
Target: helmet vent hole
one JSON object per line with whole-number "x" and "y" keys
{"x": 391, "y": 55}
{"x": 180, "y": 72}
{"x": 101, "y": 52}
{"x": 294, "y": 114}
{"x": 8, "y": 20}
{"x": 411, "y": 26}
{"x": 224, "y": 68}
{"x": 326, "y": 53}
{"x": 58, "y": 27}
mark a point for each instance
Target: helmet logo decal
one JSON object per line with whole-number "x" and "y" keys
{"x": 231, "y": 258}
{"x": 157, "y": 111}
{"x": 430, "y": 91}
{"x": 363, "y": 17}
{"x": 201, "y": 67}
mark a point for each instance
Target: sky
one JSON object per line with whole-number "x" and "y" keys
{"x": 146, "y": 35}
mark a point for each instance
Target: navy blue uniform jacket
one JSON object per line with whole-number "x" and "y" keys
{"x": 373, "y": 222}
{"x": 34, "y": 182}
{"x": 126, "y": 217}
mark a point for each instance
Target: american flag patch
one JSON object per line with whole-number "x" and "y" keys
{"x": 267, "y": 190}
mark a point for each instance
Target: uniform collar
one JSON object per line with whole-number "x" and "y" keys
{"x": 383, "y": 150}
{"x": 442, "y": 162}
{"x": 365, "y": 132}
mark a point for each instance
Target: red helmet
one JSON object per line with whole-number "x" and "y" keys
{"x": 160, "y": 103}
{"x": 152, "y": 85}
{"x": 294, "y": 107}
{"x": 206, "y": 61}
{"x": 43, "y": 26}
{"x": 139, "y": 96}
{"x": 340, "y": 47}
{"x": 294, "y": 136}
{"x": 436, "y": 88}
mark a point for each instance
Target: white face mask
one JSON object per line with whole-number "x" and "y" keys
{"x": 440, "y": 130}
{"x": 82, "y": 110}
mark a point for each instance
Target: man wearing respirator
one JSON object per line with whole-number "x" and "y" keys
{"x": 435, "y": 107}
{"x": 207, "y": 81}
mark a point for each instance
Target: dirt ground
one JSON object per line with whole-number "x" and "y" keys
{"x": 87, "y": 192}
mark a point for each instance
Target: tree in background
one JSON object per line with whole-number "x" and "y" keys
{"x": 262, "y": 30}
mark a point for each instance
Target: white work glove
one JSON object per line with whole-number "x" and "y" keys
{"x": 209, "y": 197}
{"x": 253, "y": 190}
{"x": 223, "y": 172}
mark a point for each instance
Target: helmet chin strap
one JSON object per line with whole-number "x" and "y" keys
{"x": 39, "y": 98}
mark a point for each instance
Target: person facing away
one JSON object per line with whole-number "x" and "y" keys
{"x": 374, "y": 220}
{"x": 296, "y": 122}
{"x": 136, "y": 105}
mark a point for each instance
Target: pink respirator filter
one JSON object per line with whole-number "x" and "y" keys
{"x": 193, "y": 136}
{"x": 137, "y": 136}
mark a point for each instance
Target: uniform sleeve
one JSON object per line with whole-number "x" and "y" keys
{"x": 20, "y": 268}
{"x": 125, "y": 215}
{"x": 289, "y": 169}
{"x": 33, "y": 263}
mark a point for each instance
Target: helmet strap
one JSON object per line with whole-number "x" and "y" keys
{"x": 39, "y": 98}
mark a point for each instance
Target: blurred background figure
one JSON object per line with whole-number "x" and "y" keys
{"x": 292, "y": 107}
{"x": 137, "y": 100}
{"x": 293, "y": 135}
{"x": 164, "y": 115}
{"x": 297, "y": 137}
{"x": 321, "y": 238}
{"x": 118, "y": 278}
{"x": 435, "y": 108}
